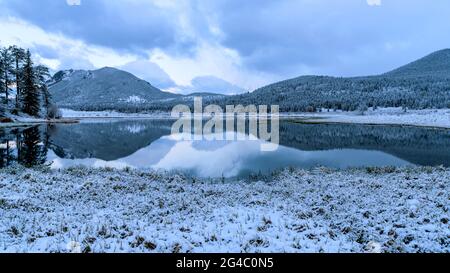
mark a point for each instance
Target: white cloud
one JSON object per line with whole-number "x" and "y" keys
{"x": 210, "y": 84}
{"x": 69, "y": 53}
{"x": 209, "y": 59}
{"x": 374, "y": 2}
{"x": 73, "y": 2}
{"x": 150, "y": 72}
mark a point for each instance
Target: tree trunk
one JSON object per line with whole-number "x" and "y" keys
{"x": 7, "y": 153}
{"x": 6, "y": 88}
{"x": 17, "y": 84}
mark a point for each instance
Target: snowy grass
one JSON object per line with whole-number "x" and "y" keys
{"x": 91, "y": 210}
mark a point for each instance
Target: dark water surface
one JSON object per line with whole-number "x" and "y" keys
{"x": 149, "y": 144}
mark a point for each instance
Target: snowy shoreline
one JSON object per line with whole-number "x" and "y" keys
{"x": 437, "y": 118}
{"x": 25, "y": 121}
{"x": 321, "y": 210}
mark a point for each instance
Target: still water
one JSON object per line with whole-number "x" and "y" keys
{"x": 149, "y": 144}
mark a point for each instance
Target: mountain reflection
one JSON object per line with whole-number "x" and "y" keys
{"x": 148, "y": 144}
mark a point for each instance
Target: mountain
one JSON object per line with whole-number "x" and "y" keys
{"x": 106, "y": 88}
{"x": 424, "y": 83}
{"x": 436, "y": 64}
{"x": 114, "y": 89}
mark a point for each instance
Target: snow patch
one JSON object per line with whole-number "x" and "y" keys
{"x": 135, "y": 99}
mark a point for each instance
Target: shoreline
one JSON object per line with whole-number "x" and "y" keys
{"x": 428, "y": 118}
{"x": 294, "y": 210}
{"x": 295, "y": 119}
{"x": 330, "y": 121}
{"x": 29, "y": 123}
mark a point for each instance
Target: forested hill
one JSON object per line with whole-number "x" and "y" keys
{"x": 113, "y": 89}
{"x": 436, "y": 64}
{"x": 106, "y": 88}
{"x": 422, "y": 84}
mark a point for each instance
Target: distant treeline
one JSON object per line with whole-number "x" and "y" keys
{"x": 312, "y": 93}
{"x": 309, "y": 94}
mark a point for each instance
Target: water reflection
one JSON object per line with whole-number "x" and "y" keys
{"x": 28, "y": 147}
{"x": 148, "y": 144}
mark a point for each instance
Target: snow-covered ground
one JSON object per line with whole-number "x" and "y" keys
{"x": 365, "y": 210}
{"x": 68, "y": 113}
{"x": 428, "y": 117}
{"x": 26, "y": 120}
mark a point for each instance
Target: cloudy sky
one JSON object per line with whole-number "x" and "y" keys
{"x": 226, "y": 45}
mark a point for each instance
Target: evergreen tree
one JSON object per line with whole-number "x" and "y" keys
{"x": 42, "y": 75}
{"x": 6, "y": 62}
{"x": 30, "y": 90}
{"x": 19, "y": 57}
{"x": 2, "y": 76}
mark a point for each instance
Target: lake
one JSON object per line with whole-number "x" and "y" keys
{"x": 146, "y": 144}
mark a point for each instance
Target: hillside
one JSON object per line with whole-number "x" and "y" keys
{"x": 436, "y": 64}
{"x": 114, "y": 89}
{"x": 422, "y": 84}
{"x": 106, "y": 88}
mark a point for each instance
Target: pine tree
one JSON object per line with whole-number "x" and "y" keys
{"x": 42, "y": 74}
{"x": 2, "y": 76}
{"x": 47, "y": 100}
{"x": 19, "y": 57}
{"x": 6, "y": 62}
{"x": 30, "y": 91}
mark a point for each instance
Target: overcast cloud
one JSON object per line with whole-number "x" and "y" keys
{"x": 246, "y": 43}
